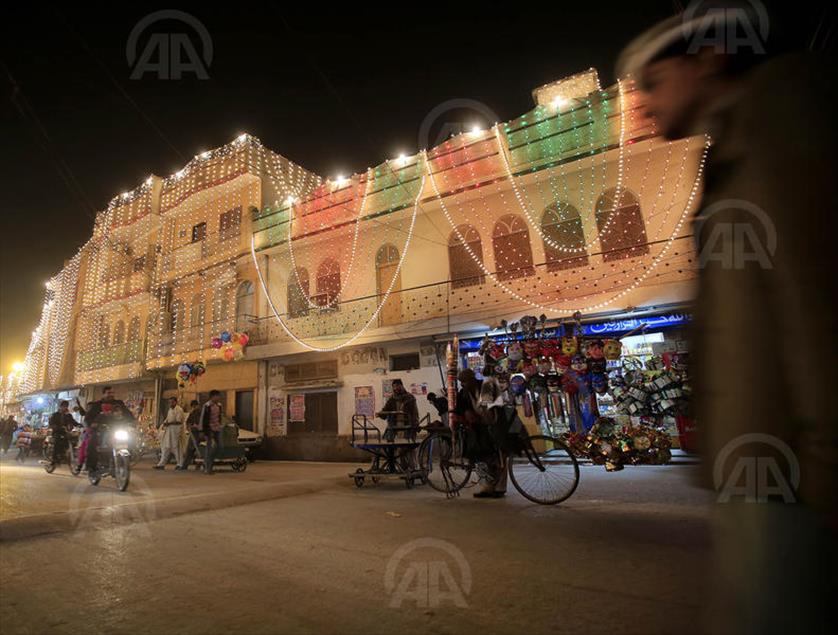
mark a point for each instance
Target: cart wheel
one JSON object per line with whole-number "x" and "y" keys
{"x": 239, "y": 465}
{"x": 359, "y": 477}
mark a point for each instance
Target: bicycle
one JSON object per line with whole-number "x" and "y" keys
{"x": 541, "y": 467}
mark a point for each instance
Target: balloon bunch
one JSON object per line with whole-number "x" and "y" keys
{"x": 231, "y": 344}
{"x": 188, "y": 373}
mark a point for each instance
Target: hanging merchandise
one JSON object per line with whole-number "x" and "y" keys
{"x": 188, "y": 373}
{"x": 654, "y": 390}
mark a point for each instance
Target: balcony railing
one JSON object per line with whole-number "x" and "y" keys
{"x": 117, "y": 355}
{"x": 194, "y": 339}
{"x": 452, "y": 304}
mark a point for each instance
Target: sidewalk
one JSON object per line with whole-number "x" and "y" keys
{"x": 34, "y": 503}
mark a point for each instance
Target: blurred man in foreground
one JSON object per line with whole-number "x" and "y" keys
{"x": 765, "y": 333}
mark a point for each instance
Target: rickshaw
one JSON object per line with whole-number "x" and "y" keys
{"x": 229, "y": 451}
{"x": 391, "y": 457}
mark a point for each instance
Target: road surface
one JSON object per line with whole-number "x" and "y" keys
{"x": 626, "y": 554}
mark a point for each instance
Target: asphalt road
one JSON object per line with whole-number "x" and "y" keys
{"x": 626, "y": 554}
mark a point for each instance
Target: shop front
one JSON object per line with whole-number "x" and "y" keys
{"x": 311, "y": 397}
{"x": 649, "y": 346}
{"x": 137, "y": 394}
{"x": 237, "y": 381}
{"x": 36, "y": 408}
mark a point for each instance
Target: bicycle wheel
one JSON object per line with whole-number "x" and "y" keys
{"x": 443, "y": 466}
{"x": 545, "y": 471}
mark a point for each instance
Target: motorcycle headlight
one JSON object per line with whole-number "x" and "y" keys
{"x": 121, "y": 435}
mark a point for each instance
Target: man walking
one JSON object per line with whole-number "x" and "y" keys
{"x": 764, "y": 233}
{"x": 211, "y": 424}
{"x": 7, "y": 430}
{"x": 170, "y": 435}
{"x": 193, "y": 442}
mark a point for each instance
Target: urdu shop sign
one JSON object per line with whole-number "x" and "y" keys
{"x": 612, "y": 327}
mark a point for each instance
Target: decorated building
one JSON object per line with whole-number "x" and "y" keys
{"x": 301, "y": 299}
{"x": 575, "y": 206}
{"x": 204, "y": 284}
{"x": 48, "y": 372}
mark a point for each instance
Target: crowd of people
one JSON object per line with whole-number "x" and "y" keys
{"x": 203, "y": 423}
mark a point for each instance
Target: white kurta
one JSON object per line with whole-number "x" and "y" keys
{"x": 170, "y": 435}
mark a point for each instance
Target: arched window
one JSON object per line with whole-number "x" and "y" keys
{"x": 298, "y": 292}
{"x": 244, "y": 306}
{"x": 561, "y": 226}
{"x": 178, "y": 315}
{"x": 386, "y": 265}
{"x": 220, "y": 304}
{"x": 196, "y": 311}
{"x": 104, "y": 335}
{"x": 134, "y": 329}
{"x": 119, "y": 333}
{"x": 463, "y": 269}
{"x": 622, "y": 232}
{"x": 513, "y": 252}
{"x": 328, "y": 283}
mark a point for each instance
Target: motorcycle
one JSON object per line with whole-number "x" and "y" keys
{"x": 113, "y": 454}
{"x": 50, "y": 461}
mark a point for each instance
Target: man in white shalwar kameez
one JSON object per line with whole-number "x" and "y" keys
{"x": 170, "y": 435}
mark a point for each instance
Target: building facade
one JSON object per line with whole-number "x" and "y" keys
{"x": 345, "y": 284}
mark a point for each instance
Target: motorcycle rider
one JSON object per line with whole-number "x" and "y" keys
{"x": 61, "y": 422}
{"x": 100, "y": 412}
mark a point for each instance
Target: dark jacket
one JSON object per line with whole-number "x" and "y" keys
{"x": 205, "y": 417}
{"x": 106, "y": 409}
{"x": 60, "y": 422}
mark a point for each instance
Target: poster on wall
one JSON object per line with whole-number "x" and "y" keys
{"x": 427, "y": 352}
{"x": 276, "y": 413}
{"x": 297, "y": 408}
{"x": 419, "y": 389}
{"x": 365, "y": 401}
{"x": 386, "y": 389}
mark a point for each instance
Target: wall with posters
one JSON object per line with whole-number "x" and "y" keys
{"x": 363, "y": 379}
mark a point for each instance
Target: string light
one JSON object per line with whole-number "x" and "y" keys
{"x": 186, "y": 265}
{"x": 381, "y": 304}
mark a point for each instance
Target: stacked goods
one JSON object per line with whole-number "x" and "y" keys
{"x": 614, "y": 446}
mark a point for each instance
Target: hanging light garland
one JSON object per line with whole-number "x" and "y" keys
{"x": 384, "y": 298}
{"x": 593, "y": 307}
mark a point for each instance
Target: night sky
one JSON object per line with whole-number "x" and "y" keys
{"x": 333, "y": 90}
